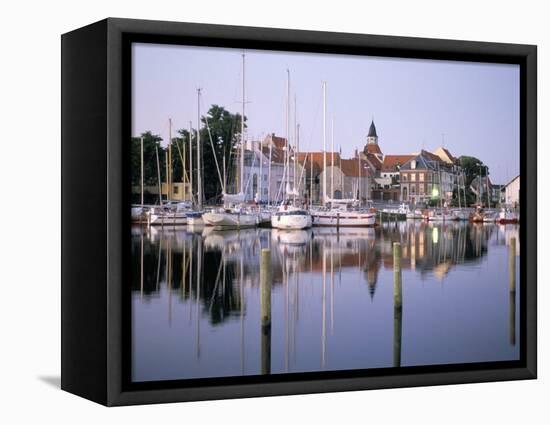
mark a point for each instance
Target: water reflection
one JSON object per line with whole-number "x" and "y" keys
{"x": 196, "y": 299}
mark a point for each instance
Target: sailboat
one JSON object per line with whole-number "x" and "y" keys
{"x": 507, "y": 216}
{"x": 289, "y": 215}
{"x": 338, "y": 212}
{"x": 234, "y": 213}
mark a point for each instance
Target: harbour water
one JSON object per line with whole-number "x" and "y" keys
{"x": 196, "y": 299}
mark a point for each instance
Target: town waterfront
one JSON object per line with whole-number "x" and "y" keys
{"x": 196, "y": 298}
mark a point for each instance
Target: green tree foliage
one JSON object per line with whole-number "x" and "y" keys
{"x": 472, "y": 168}
{"x": 223, "y": 137}
{"x": 225, "y": 134}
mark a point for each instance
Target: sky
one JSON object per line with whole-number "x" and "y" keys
{"x": 469, "y": 108}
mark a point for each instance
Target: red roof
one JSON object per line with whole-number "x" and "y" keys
{"x": 392, "y": 163}
{"x": 279, "y": 142}
{"x": 317, "y": 158}
{"x": 350, "y": 168}
{"x": 374, "y": 161}
{"x": 372, "y": 148}
{"x": 277, "y": 155}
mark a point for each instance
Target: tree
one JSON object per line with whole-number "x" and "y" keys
{"x": 151, "y": 142}
{"x": 472, "y": 168}
{"x": 221, "y": 141}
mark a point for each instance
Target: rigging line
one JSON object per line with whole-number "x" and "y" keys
{"x": 302, "y": 173}
{"x": 214, "y": 291}
{"x": 181, "y": 157}
{"x": 250, "y": 175}
{"x": 213, "y": 151}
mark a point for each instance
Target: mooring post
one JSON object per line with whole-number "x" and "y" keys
{"x": 512, "y": 296}
{"x": 265, "y": 310}
{"x": 397, "y": 287}
{"x": 397, "y": 304}
{"x": 512, "y": 265}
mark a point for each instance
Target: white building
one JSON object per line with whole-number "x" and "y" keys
{"x": 264, "y": 183}
{"x": 511, "y": 192}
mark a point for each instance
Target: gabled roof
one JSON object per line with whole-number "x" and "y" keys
{"x": 393, "y": 163}
{"x": 374, "y": 161}
{"x": 511, "y": 181}
{"x": 372, "y": 148}
{"x": 452, "y": 158}
{"x": 317, "y": 158}
{"x": 423, "y": 162}
{"x": 351, "y": 168}
{"x": 277, "y": 154}
{"x": 430, "y": 156}
{"x": 279, "y": 142}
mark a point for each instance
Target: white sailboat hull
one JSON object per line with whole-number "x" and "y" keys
{"x": 291, "y": 221}
{"x": 169, "y": 220}
{"x": 230, "y": 220}
{"x": 343, "y": 219}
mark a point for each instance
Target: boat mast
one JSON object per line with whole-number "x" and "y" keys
{"x": 191, "y": 159}
{"x": 487, "y": 183}
{"x": 359, "y": 180}
{"x": 169, "y": 171}
{"x": 158, "y": 175}
{"x": 261, "y": 173}
{"x": 310, "y": 181}
{"x": 295, "y": 156}
{"x": 269, "y": 174}
{"x": 479, "y": 199}
{"x": 166, "y": 164}
{"x": 199, "y": 177}
{"x": 332, "y": 159}
{"x": 324, "y": 142}
{"x": 142, "y": 171}
{"x": 458, "y": 191}
{"x": 241, "y": 183}
{"x": 287, "y": 122}
{"x": 296, "y": 161}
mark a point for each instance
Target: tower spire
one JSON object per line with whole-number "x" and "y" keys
{"x": 372, "y": 137}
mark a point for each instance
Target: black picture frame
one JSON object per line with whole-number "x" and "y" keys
{"x": 95, "y": 125}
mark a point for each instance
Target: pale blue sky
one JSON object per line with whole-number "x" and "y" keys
{"x": 413, "y": 102}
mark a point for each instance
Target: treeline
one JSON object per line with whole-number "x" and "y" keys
{"x": 218, "y": 125}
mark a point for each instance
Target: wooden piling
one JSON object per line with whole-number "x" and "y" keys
{"x": 512, "y": 287}
{"x": 265, "y": 287}
{"x": 397, "y": 332}
{"x": 397, "y": 305}
{"x": 397, "y": 286}
{"x": 512, "y": 265}
{"x": 512, "y": 318}
{"x": 265, "y": 310}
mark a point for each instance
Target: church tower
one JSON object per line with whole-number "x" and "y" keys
{"x": 372, "y": 137}
{"x": 372, "y": 148}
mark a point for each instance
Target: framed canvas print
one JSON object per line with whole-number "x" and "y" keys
{"x": 253, "y": 212}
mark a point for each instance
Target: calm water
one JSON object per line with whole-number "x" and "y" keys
{"x": 196, "y": 299}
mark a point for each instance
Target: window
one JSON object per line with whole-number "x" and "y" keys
{"x": 413, "y": 177}
{"x": 413, "y": 164}
{"x": 404, "y": 177}
{"x": 176, "y": 189}
{"x": 429, "y": 177}
{"x": 421, "y": 177}
{"x": 421, "y": 189}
